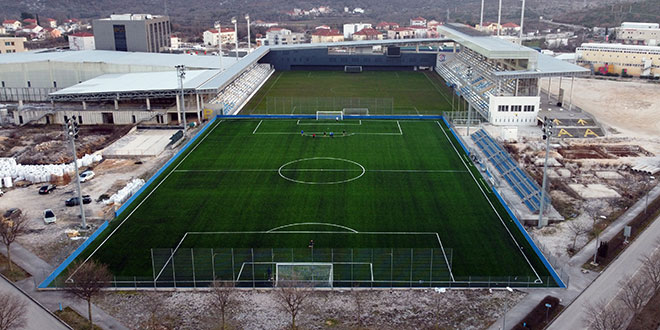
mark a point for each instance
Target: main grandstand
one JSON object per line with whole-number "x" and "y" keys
{"x": 348, "y": 180}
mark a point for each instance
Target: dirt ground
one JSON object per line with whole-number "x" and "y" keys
{"x": 32, "y": 145}
{"x": 383, "y": 309}
{"x": 630, "y": 107}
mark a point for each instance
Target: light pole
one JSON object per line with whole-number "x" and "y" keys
{"x": 481, "y": 20}
{"x": 71, "y": 128}
{"x": 247, "y": 17}
{"x": 499, "y": 19}
{"x": 181, "y": 72}
{"x": 220, "y": 43}
{"x": 547, "y": 134}
{"x": 235, "y": 22}
{"x": 522, "y": 21}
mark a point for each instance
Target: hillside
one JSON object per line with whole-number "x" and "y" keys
{"x": 613, "y": 15}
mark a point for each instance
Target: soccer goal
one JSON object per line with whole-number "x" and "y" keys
{"x": 329, "y": 115}
{"x": 317, "y": 274}
{"x": 352, "y": 68}
{"x": 356, "y": 111}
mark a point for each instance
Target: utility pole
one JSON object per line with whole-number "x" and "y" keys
{"x": 247, "y": 17}
{"x": 71, "y": 128}
{"x": 547, "y": 134}
{"x": 181, "y": 72}
{"x": 235, "y": 22}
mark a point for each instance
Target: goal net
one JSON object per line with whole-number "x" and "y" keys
{"x": 317, "y": 274}
{"x": 329, "y": 115}
{"x": 352, "y": 68}
{"x": 356, "y": 111}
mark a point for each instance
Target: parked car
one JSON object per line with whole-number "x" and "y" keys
{"x": 86, "y": 176}
{"x": 73, "y": 201}
{"x": 47, "y": 189}
{"x": 12, "y": 213}
{"x": 49, "y": 216}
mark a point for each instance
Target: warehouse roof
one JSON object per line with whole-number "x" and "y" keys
{"x": 113, "y": 57}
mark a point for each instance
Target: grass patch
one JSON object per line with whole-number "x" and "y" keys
{"x": 74, "y": 320}
{"x": 16, "y": 274}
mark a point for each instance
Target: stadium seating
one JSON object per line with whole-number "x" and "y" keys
{"x": 241, "y": 88}
{"x": 520, "y": 182}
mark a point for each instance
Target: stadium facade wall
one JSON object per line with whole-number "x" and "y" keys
{"x": 320, "y": 59}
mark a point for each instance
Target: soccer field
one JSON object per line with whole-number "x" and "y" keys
{"x": 383, "y": 92}
{"x": 382, "y": 200}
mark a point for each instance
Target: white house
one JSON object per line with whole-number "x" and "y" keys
{"x": 174, "y": 42}
{"x": 281, "y": 36}
{"x": 81, "y": 41}
{"x": 33, "y": 29}
{"x": 51, "y": 22}
{"x": 351, "y": 28}
{"x": 418, "y": 21}
{"x": 358, "y": 10}
{"x": 212, "y": 36}
{"x": 12, "y": 25}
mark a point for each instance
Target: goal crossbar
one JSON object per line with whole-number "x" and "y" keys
{"x": 329, "y": 115}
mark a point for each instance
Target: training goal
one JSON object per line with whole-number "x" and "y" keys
{"x": 352, "y": 68}
{"x": 329, "y": 115}
{"x": 355, "y": 111}
{"x": 295, "y": 273}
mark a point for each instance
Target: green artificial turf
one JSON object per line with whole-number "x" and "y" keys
{"x": 397, "y": 184}
{"x": 305, "y": 92}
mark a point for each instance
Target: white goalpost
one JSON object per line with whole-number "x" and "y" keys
{"x": 316, "y": 273}
{"x": 329, "y": 115}
{"x": 356, "y": 111}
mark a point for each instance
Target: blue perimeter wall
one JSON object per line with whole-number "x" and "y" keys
{"x": 126, "y": 204}
{"x": 518, "y": 224}
{"x": 91, "y": 238}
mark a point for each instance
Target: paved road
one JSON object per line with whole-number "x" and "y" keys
{"x": 51, "y": 299}
{"x": 606, "y": 286}
{"x": 580, "y": 281}
{"x": 38, "y": 316}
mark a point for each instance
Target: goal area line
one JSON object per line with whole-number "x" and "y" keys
{"x": 348, "y": 231}
{"x": 398, "y": 126}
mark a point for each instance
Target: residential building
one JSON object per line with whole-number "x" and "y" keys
{"x": 488, "y": 27}
{"x": 510, "y": 28}
{"x": 634, "y": 60}
{"x": 351, "y": 28}
{"x": 32, "y": 29}
{"x": 639, "y": 33}
{"x": 368, "y": 34}
{"x": 324, "y": 27}
{"x": 384, "y": 26}
{"x": 12, "y": 45}
{"x": 29, "y": 21}
{"x": 418, "y": 21}
{"x": 281, "y": 36}
{"x": 133, "y": 33}
{"x": 401, "y": 33}
{"x": 51, "y": 33}
{"x": 260, "y": 23}
{"x": 327, "y": 35}
{"x": 12, "y": 25}
{"x": 213, "y": 36}
{"x": 51, "y": 22}
{"x": 175, "y": 42}
{"x": 2, "y": 30}
{"x": 358, "y": 10}
{"x": 419, "y": 31}
{"x": 81, "y": 41}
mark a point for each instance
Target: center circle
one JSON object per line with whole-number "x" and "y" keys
{"x": 334, "y": 170}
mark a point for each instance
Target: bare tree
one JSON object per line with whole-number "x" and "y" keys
{"x": 602, "y": 316}
{"x": 651, "y": 270}
{"x": 86, "y": 281}
{"x": 12, "y": 311}
{"x": 159, "y": 318}
{"x": 635, "y": 293}
{"x": 10, "y": 230}
{"x": 224, "y": 301}
{"x": 576, "y": 229}
{"x": 291, "y": 297}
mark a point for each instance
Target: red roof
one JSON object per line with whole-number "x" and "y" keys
{"x": 403, "y": 28}
{"x": 30, "y": 20}
{"x": 510, "y": 25}
{"x": 419, "y": 19}
{"x": 387, "y": 24}
{"x": 51, "y": 19}
{"x": 82, "y": 34}
{"x": 9, "y": 21}
{"x": 275, "y": 28}
{"x": 367, "y": 32}
{"x": 327, "y": 33}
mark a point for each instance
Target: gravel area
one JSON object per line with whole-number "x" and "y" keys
{"x": 258, "y": 309}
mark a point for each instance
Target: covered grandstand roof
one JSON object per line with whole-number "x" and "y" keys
{"x": 113, "y": 57}
{"x": 485, "y": 44}
{"x": 360, "y": 43}
{"x": 548, "y": 66}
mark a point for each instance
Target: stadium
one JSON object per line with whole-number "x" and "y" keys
{"x": 334, "y": 165}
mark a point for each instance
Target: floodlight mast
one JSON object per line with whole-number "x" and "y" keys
{"x": 548, "y": 131}
{"x": 71, "y": 129}
{"x": 247, "y": 17}
{"x": 181, "y": 73}
{"x": 235, "y": 22}
{"x": 522, "y": 21}
{"x": 220, "y": 43}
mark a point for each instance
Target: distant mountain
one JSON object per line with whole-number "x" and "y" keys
{"x": 204, "y": 12}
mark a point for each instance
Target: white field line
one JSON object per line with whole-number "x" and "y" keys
{"x": 256, "y": 128}
{"x": 147, "y": 197}
{"x": 293, "y": 109}
{"x": 313, "y": 223}
{"x": 320, "y": 170}
{"x": 417, "y": 110}
{"x": 399, "y": 125}
{"x": 491, "y": 204}
{"x": 438, "y": 89}
{"x": 485, "y": 185}
{"x": 267, "y": 91}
